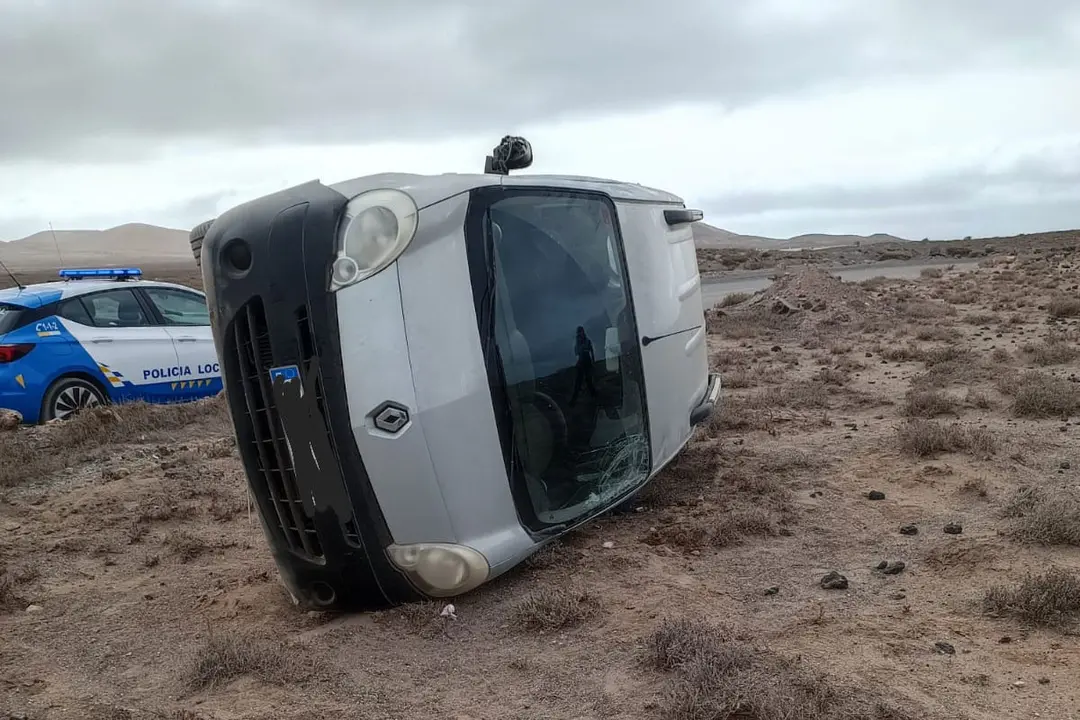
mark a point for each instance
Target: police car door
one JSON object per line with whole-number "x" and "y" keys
{"x": 129, "y": 350}
{"x": 186, "y": 319}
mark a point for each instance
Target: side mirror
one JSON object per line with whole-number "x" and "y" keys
{"x": 512, "y": 153}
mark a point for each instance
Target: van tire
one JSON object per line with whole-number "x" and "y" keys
{"x": 67, "y": 395}
{"x": 195, "y": 237}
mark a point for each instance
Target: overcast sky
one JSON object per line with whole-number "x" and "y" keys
{"x": 938, "y": 118}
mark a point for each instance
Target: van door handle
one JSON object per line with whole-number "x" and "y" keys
{"x": 187, "y": 339}
{"x": 101, "y": 340}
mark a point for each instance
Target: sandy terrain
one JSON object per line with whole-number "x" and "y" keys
{"x": 930, "y": 423}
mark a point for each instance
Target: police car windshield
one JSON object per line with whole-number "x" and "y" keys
{"x": 9, "y": 316}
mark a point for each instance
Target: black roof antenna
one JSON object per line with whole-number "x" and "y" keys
{"x": 12, "y": 276}
{"x": 512, "y": 153}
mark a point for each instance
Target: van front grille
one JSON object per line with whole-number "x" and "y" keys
{"x": 247, "y": 341}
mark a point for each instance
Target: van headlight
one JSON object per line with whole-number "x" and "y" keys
{"x": 439, "y": 569}
{"x": 377, "y": 227}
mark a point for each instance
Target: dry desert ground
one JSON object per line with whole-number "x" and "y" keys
{"x": 882, "y": 522}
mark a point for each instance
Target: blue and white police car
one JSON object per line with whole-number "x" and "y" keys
{"x": 103, "y": 335}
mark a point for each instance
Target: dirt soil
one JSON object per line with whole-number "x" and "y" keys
{"x": 882, "y": 522}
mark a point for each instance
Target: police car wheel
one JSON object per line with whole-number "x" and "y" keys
{"x": 68, "y": 396}
{"x": 196, "y": 236}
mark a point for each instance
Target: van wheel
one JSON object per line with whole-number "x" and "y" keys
{"x": 67, "y": 396}
{"x": 195, "y": 237}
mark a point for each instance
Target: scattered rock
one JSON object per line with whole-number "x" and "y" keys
{"x": 875, "y": 495}
{"x": 781, "y": 307}
{"x": 1005, "y": 640}
{"x": 909, "y": 530}
{"x": 608, "y": 545}
{"x": 1019, "y": 684}
{"x": 10, "y": 420}
{"x": 896, "y": 568}
{"x": 953, "y": 529}
{"x": 1065, "y": 465}
{"x": 834, "y": 581}
{"x": 115, "y": 473}
{"x": 774, "y": 590}
{"x": 883, "y": 564}
{"x": 33, "y": 608}
{"x": 945, "y": 648}
{"x": 1044, "y": 681}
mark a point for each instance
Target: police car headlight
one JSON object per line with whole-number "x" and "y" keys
{"x": 377, "y": 227}
{"x": 441, "y": 570}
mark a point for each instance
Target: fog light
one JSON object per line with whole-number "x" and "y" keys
{"x": 344, "y": 270}
{"x": 441, "y": 570}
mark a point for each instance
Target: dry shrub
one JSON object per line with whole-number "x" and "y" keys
{"x": 1064, "y": 307}
{"x": 1045, "y": 516}
{"x": 717, "y": 675}
{"x": 554, "y": 609}
{"x": 945, "y": 354}
{"x": 759, "y": 410}
{"x": 734, "y": 299}
{"x": 35, "y": 453}
{"x": 977, "y": 399}
{"x": 1000, "y": 355}
{"x": 690, "y": 472}
{"x": 225, "y": 658}
{"x": 1049, "y": 599}
{"x": 982, "y": 318}
{"x": 1038, "y": 395}
{"x": 936, "y": 332}
{"x": 928, "y": 404}
{"x": 1052, "y": 351}
{"x": 752, "y": 323}
{"x": 905, "y": 353}
{"x": 926, "y": 438}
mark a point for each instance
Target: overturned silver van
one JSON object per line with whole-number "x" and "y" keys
{"x": 432, "y": 376}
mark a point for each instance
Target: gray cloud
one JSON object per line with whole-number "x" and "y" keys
{"x": 183, "y": 215}
{"x": 1036, "y": 193}
{"x": 94, "y": 78}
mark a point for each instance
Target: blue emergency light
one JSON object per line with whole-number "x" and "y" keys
{"x": 77, "y": 273}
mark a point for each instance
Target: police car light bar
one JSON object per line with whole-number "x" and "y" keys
{"x": 75, "y": 274}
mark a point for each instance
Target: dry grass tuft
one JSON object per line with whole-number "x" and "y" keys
{"x": 34, "y": 454}
{"x": 734, "y": 299}
{"x": 715, "y": 675}
{"x": 1064, "y": 307}
{"x": 1045, "y": 516}
{"x": 687, "y": 475}
{"x": 1052, "y": 351}
{"x": 554, "y": 609}
{"x": 225, "y": 658}
{"x": 925, "y": 438}
{"x": 1049, "y": 599}
{"x": 928, "y": 404}
{"x": 1038, "y": 395}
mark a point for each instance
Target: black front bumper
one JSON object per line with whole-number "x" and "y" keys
{"x": 321, "y": 516}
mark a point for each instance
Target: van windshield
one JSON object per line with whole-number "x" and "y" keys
{"x": 567, "y": 385}
{"x": 9, "y": 317}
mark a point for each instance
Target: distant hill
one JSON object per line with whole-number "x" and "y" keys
{"x": 124, "y": 244}
{"x": 139, "y": 243}
{"x": 707, "y": 236}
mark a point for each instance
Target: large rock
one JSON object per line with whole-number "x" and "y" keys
{"x": 9, "y": 420}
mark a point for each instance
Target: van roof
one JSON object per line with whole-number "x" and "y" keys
{"x": 430, "y": 189}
